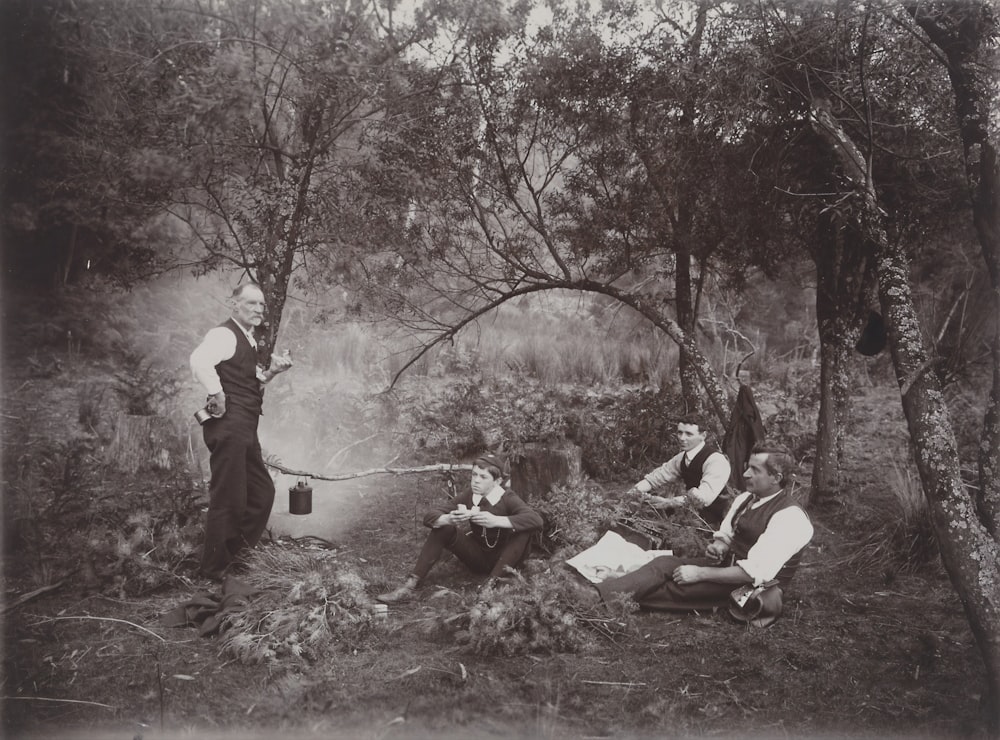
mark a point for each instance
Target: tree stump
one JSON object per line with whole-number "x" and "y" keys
{"x": 141, "y": 442}
{"x": 541, "y": 466}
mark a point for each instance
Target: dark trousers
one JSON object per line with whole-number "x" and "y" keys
{"x": 652, "y": 586}
{"x": 471, "y": 551}
{"x": 241, "y": 492}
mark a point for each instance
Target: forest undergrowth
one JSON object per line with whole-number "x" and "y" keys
{"x": 873, "y": 641}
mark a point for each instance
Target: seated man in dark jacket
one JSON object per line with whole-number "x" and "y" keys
{"x": 498, "y": 536}
{"x": 760, "y": 539}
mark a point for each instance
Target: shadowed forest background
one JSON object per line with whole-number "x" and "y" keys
{"x": 509, "y": 227}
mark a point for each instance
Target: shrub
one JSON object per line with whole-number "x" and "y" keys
{"x": 577, "y": 515}
{"x": 68, "y": 516}
{"x": 624, "y": 431}
{"x": 535, "y": 614}
{"x": 145, "y": 388}
{"x": 619, "y": 430}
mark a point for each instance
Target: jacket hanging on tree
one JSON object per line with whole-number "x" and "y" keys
{"x": 745, "y": 429}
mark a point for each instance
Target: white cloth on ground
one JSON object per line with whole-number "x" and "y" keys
{"x": 613, "y": 556}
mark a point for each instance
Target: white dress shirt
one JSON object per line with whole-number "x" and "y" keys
{"x": 218, "y": 346}
{"x": 787, "y": 532}
{"x": 714, "y": 476}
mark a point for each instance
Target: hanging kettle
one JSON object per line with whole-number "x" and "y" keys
{"x": 300, "y": 498}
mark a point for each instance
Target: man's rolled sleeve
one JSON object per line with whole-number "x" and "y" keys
{"x": 788, "y": 531}
{"x": 669, "y": 472}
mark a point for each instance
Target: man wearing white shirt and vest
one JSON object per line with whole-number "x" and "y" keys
{"x": 702, "y": 469}
{"x": 760, "y": 539}
{"x": 241, "y": 492}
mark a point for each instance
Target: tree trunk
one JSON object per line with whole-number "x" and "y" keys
{"x": 965, "y": 33}
{"x": 843, "y": 278}
{"x": 826, "y": 466}
{"x": 141, "y": 443}
{"x": 540, "y": 467}
{"x": 686, "y": 318}
{"x": 970, "y": 554}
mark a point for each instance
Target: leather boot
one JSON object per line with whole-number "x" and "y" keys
{"x": 401, "y": 594}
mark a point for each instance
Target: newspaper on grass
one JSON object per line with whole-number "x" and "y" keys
{"x": 611, "y": 557}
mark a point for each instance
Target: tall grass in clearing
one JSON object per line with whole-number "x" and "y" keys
{"x": 550, "y": 348}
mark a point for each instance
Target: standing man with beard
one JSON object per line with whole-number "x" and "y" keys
{"x": 241, "y": 492}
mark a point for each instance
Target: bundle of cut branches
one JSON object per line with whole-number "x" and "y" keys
{"x": 308, "y": 601}
{"x": 538, "y": 613}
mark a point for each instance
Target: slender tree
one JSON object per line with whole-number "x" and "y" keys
{"x": 256, "y": 115}
{"x": 969, "y": 549}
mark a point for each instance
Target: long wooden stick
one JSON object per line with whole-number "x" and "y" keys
{"x": 440, "y": 468}
{"x": 102, "y": 619}
{"x": 66, "y": 701}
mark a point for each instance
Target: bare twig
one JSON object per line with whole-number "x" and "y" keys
{"x": 341, "y": 451}
{"x": 440, "y": 468}
{"x": 67, "y": 701}
{"x": 23, "y": 599}
{"x": 101, "y": 619}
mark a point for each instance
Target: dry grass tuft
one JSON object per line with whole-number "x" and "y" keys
{"x": 905, "y": 540}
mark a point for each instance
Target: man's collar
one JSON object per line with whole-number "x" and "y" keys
{"x": 765, "y": 499}
{"x": 495, "y": 495}
{"x": 248, "y": 333}
{"x": 689, "y": 455}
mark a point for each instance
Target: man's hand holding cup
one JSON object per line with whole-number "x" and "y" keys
{"x": 461, "y": 514}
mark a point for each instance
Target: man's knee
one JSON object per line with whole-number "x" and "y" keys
{"x": 445, "y": 535}
{"x": 664, "y": 565}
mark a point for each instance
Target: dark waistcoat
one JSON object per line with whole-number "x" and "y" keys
{"x": 750, "y": 525}
{"x": 239, "y": 374}
{"x": 691, "y": 474}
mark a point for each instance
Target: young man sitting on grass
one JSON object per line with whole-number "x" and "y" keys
{"x": 498, "y": 535}
{"x": 699, "y": 465}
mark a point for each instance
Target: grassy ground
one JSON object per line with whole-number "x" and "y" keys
{"x": 866, "y": 648}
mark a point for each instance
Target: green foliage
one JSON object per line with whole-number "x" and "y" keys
{"x": 576, "y": 515}
{"x": 472, "y": 413}
{"x": 620, "y": 431}
{"x": 144, "y": 387}
{"x": 66, "y": 515}
{"x": 623, "y": 431}
{"x": 309, "y": 602}
{"x": 793, "y": 394}
{"x": 540, "y": 613}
